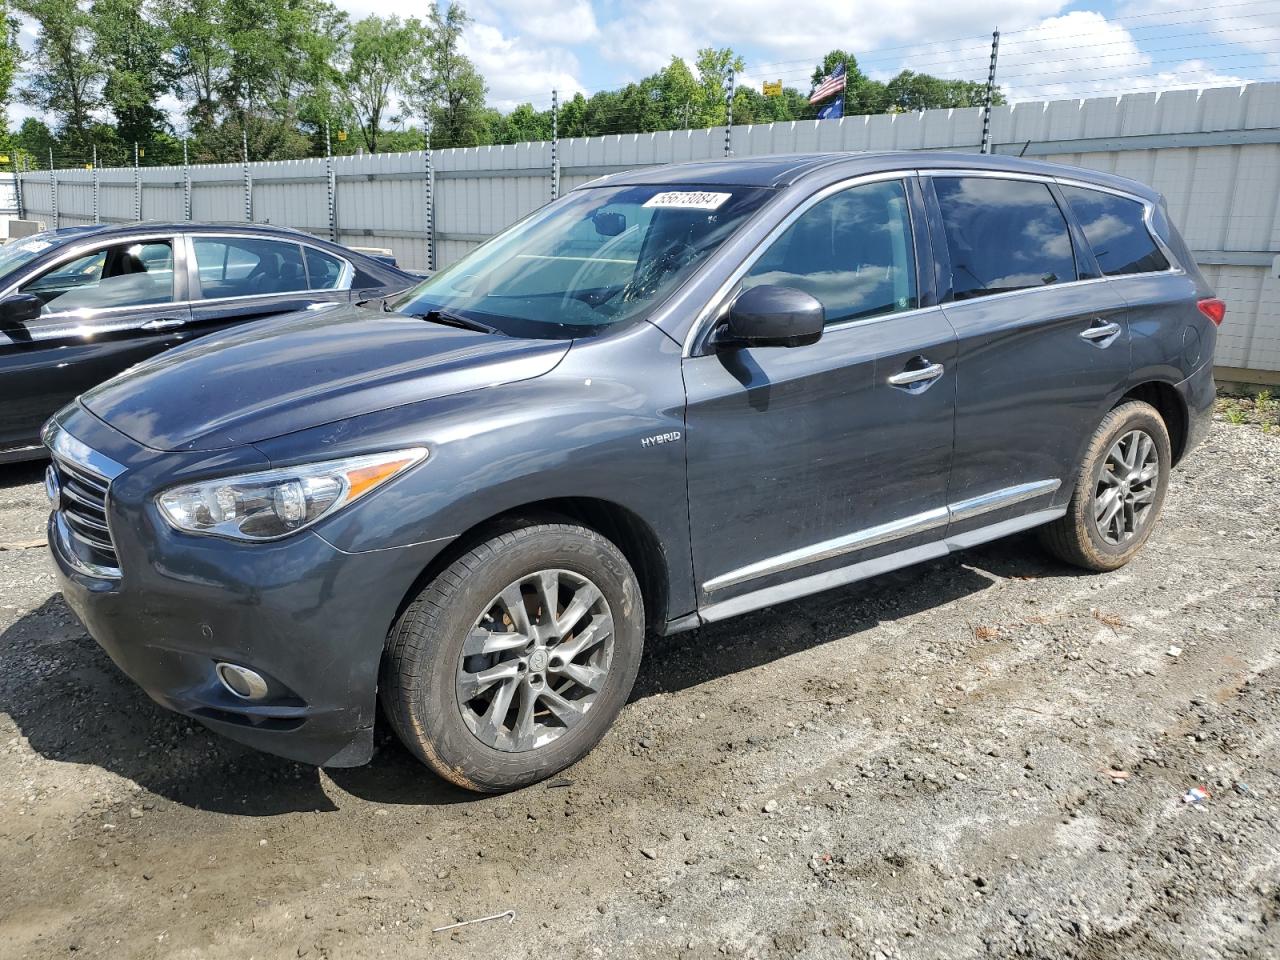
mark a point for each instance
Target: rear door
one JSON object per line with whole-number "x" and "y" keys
{"x": 805, "y": 460}
{"x": 1042, "y": 343}
{"x": 237, "y": 278}
{"x": 106, "y": 307}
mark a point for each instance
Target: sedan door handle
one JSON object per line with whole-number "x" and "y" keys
{"x": 921, "y": 375}
{"x": 163, "y": 323}
{"x": 1100, "y": 332}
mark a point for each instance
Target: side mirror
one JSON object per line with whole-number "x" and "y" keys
{"x": 771, "y": 316}
{"x": 19, "y": 309}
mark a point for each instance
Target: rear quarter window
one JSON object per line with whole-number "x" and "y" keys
{"x": 1117, "y": 232}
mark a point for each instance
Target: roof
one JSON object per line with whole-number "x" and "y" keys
{"x": 784, "y": 170}
{"x": 189, "y": 226}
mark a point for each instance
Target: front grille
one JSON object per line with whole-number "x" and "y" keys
{"x": 82, "y": 518}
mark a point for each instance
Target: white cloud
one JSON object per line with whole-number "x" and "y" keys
{"x": 647, "y": 36}
{"x": 518, "y": 72}
{"x": 556, "y": 23}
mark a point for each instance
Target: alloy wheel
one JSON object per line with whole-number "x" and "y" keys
{"x": 1126, "y": 488}
{"x": 535, "y": 660}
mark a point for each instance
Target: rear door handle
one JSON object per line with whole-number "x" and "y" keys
{"x": 918, "y": 376}
{"x": 163, "y": 323}
{"x": 1101, "y": 333}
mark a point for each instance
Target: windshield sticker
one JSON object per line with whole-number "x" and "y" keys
{"x": 688, "y": 199}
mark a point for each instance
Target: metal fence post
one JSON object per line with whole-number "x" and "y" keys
{"x": 137, "y": 184}
{"x": 332, "y": 184}
{"x": 186, "y": 183}
{"x": 97, "y": 214}
{"x": 53, "y": 192}
{"x": 728, "y": 120}
{"x": 991, "y": 92}
{"x": 17, "y": 187}
{"x": 430, "y": 199}
{"x": 555, "y": 144}
{"x": 248, "y": 183}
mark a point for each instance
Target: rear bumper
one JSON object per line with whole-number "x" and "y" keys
{"x": 1198, "y": 393}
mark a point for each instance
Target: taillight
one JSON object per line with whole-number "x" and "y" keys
{"x": 1214, "y": 309}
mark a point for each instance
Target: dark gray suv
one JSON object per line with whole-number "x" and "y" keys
{"x": 670, "y": 397}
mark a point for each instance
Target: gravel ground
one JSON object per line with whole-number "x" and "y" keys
{"x": 983, "y": 756}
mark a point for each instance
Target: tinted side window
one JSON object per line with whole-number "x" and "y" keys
{"x": 246, "y": 266}
{"x": 323, "y": 271}
{"x": 852, "y": 251}
{"x": 1117, "y": 232}
{"x": 1003, "y": 235}
{"x": 124, "y": 275}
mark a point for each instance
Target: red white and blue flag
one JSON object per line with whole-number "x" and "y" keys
{"x": 828, "y": 86}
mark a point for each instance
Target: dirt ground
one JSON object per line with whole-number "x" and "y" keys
{"x": 917, "y": 766}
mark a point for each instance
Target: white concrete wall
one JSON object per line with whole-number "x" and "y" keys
{"x": 1215, "y": 154}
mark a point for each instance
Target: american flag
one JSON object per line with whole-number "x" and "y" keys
{"x": 829, "y": 85}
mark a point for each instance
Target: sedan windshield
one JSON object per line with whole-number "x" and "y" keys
{"x": 14, "y": 255}
{"x": 597, "y": 258}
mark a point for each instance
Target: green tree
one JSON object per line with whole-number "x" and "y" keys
{"x": 714, "y": 67}
{"x": 199, "y": 56}
{"x": 65, "y": 82}
{"x": 35, "y": 139}
{"x": 381, "y": 54}
{"x": 130, "y": 47}
{"x": 920, "y": 91}
{"x": 10, "y": 60}
{"x": 450, "y": 92}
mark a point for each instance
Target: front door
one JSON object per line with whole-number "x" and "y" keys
{"x": 1039, "y": 351}
{"x": 805, "y": 461}
{"x": 105, "y": 309}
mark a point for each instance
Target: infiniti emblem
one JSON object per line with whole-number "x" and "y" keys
{"x": 538, "y": 661}
{"x": 52, "y": 488}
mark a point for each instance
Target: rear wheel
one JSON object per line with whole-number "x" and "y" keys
{"x": 1119, "y": 493}
{"x": 513, "y": 662}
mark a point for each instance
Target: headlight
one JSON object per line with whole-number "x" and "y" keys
{"x": 276, "y": 503}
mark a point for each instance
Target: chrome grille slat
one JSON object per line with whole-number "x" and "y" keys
{"x": 70, "y": 493}
{"x": 87, "y": 523}
{"x": 94, "y": 543}
{"x": 84, "y": 478}
{"x": 82, "y": 516}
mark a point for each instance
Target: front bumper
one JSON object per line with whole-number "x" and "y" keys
{"x": 308, "y": 617}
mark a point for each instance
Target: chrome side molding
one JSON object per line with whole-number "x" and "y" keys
{"x": 885, "y": 532}
{"x": 858, "y": 540}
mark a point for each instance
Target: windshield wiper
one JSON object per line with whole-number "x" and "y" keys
{"x": 455, "y": 320}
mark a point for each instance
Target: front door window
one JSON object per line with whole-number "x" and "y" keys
{"x": 122, "y": 275}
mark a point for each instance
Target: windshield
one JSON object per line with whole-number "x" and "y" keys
{"x": 595, "y": 259}
{"x": 14, "y": 255}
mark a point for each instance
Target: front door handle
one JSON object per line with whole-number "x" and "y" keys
{"x": 163, "y": 323}
{"x": 918, "y": 377}
{"x": 1101, "y": 334}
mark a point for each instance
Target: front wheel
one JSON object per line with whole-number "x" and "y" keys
{"x": 1119, "y": 492}
{"x": 513, "y": 662}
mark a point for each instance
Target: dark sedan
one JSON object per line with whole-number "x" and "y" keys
{"x": 80, "y": 304}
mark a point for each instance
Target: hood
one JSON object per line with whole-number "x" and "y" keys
{"x": 304, "y": 370}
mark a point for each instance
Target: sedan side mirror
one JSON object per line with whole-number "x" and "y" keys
{"x": 19, "y": 309}
{"x": 772, "y": 316}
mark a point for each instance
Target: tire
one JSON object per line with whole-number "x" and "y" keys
{"x": 434, "y": 692}
{"x": 1085, "y": 536}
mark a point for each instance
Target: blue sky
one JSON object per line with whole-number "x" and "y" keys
{"x": 1049, "y": 49}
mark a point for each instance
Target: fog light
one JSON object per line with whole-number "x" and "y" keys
{"x": 241, "y": 681}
